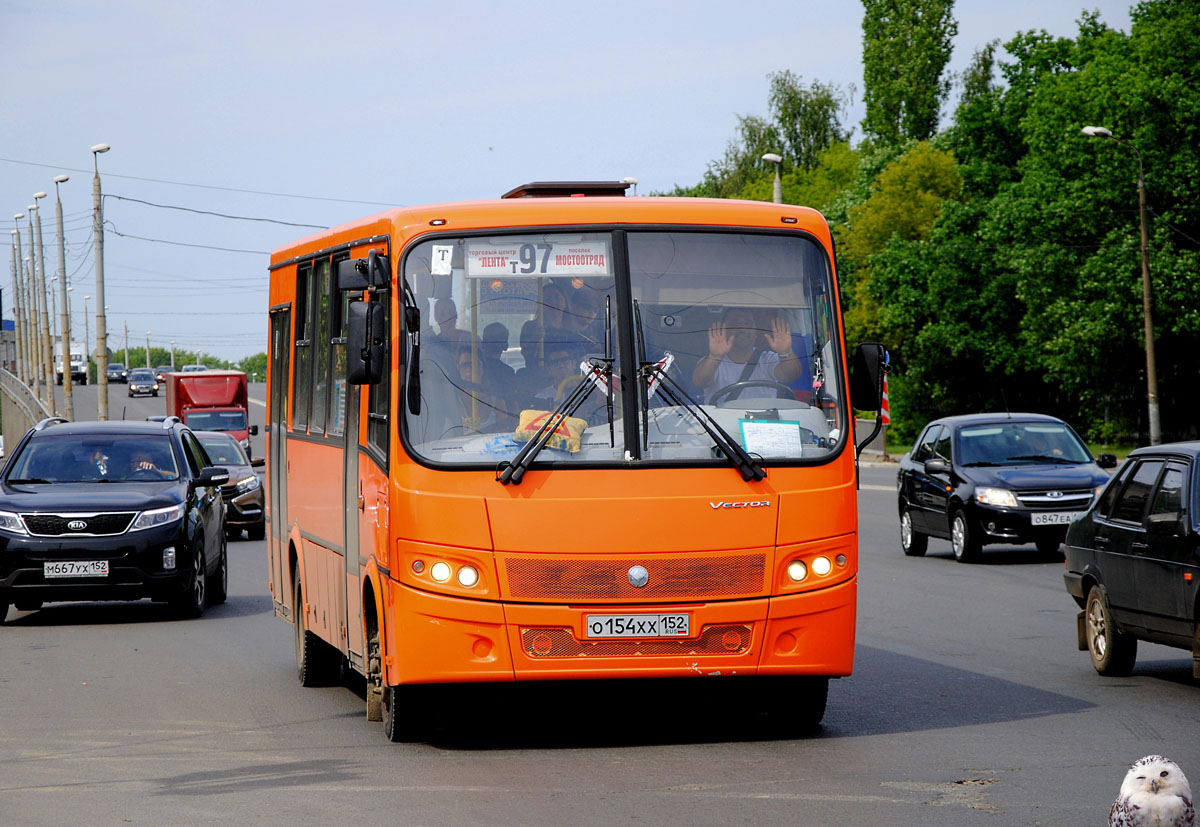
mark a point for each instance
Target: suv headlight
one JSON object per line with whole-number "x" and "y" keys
{"x": 248, "y": 484}
{"x": 157, "y": 517}
{"x": 12, "y": 523}
{"x": 996, "y": 496}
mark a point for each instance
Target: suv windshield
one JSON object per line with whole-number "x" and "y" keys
{"x": 94, "y": 458}
{"x": 1020, "y": 443}
{"x": 222, "y": 449}
{"x": 742, "y": 324}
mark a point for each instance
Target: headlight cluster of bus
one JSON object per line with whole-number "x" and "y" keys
{"x": 467, "y": 575}
{"x": 798, "y": 570}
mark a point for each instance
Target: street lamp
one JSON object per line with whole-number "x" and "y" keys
{"x": 19, "y": 303}
{"x": 43, "y": 301}
{"x": 87, "y": 355}
{"x": 64, "y": 317}
{"x": 629, "y": 179}
{"x": 147, "y": 348}
{"x": 101, "y": 323}
{"x": 172, "y": 354}
{"x": 1147, "y": 318}
{"x": 777, "y": 160}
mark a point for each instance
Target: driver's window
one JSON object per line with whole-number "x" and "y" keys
{"x": 941, "y": 448}
{"x": 196, "y": 458}
{"x": 924, "y": 448}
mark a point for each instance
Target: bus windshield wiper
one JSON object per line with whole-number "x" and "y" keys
{"x": 597, "y": 371}
{"x": 673, "y": 392}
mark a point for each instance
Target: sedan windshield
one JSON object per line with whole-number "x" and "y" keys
{"x": 94, "y": 458}
{"x": 222, "y": 450}
{"x": 1020, "y": 443}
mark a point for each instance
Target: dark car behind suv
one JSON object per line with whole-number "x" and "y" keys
{"x": 1133, "y": 560}
{"x": 111, "y": 511}
{"x": 995, "y": 478}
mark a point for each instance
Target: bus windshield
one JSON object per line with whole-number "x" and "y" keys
{"x": 735, "y": 328}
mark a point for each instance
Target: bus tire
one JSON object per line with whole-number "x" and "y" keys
{"x": 795, "y": 705}
{"x": 391, "y": 721}
{"x": 914, "y": 543}
{"x": 374, "y": 674}
{"x": 315, "y": 665}
{"x": 1112, "y": 651}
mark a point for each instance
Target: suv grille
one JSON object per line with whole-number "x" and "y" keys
{"x": 56, "y": 525}
{"x": 1055, "y": 499}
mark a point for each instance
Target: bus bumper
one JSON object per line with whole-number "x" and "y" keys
{"x": 433, "y": 638}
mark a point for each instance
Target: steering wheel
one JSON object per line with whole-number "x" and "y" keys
{"x": 146, "y": 474}
{"x": 782, "y": 391}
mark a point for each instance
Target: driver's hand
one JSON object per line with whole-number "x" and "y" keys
{"x": 719, "y": 340}
{"x": 779, "y": 339}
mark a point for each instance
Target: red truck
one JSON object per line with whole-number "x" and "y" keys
{"x": 212, "y": 400}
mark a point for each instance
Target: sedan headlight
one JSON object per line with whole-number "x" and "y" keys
{"x": 996, "y": 496}
{"x": 248, "y": 484}
{"x": 11, "y": 522}
{"x": 157, "y": 517}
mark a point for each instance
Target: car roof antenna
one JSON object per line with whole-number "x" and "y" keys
{"x": 1004, "y": 399}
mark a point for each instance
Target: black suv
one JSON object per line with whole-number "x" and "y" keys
{"x": 112, "y": 511}
{"x": 995, "y": 478}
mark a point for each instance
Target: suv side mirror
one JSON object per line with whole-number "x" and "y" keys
{"x": 1107, "y": 460}
{"x": 213, "y": 475}
{"x": 365, "y": 332}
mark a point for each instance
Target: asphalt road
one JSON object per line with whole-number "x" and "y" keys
{"x": 969, "y": 705}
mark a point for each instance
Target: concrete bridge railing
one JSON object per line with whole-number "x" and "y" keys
{"x": 20, "y": 409}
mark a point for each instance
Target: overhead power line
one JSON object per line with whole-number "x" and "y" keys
{"x": 115, "y": 231}
{"x": 217, "y": 214}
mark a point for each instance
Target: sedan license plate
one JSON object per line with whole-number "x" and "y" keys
{"x": 76, "y": 568}
{"x": 671, "y": 625}
{"x": 1054, "y": 517}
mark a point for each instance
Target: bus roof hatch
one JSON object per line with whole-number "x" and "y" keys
{"x": 567, "y": 189}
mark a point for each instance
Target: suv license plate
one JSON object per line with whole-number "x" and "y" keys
{"x": 76, "y": 568}
{"x": 1054, "y": 517}
{"x": 672, "y": 625}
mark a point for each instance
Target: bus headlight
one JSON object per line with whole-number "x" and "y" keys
{"x": 468, "y": 576}
{"x": 797, "y": 571}
{"x": 821, "y": 566}
{"x": 440, "y": 571}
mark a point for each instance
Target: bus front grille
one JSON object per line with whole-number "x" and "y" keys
{"x": 558, "y": 642}
{"x": 685, "y": 578}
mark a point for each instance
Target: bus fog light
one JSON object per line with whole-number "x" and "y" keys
{"x": 797, "y": 570}
{"x": 822, "y": 566}
{"x": 169, "y": 557}
{"x": 440, "y": 572}
{"x": 468, "y": 576}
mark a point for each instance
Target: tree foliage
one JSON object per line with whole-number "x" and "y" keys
{"x": 906, "y": 46}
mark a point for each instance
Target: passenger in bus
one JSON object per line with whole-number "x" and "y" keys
{"x": 532, "y": 377}
{"x": 584, "y": 319}
{"x": 562, "y": 367}
{"x": 734, "y": 355}
{"x": 476, "y": 406}
{"x": 554, "y": 307}
{"x": 491, "y": 347}
{"x": 445, "y": 313}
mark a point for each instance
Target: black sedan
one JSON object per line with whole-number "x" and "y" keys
{"x": 995, "y": 478}
{"x": 1133, "y": 560}
{"x": 111, "y": 511}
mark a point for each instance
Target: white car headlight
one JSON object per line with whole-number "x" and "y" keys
{"x": 12, "y": 523}
{"x": 248, "y": 484}
{"x": 996, "y": 496}
{"x": 157, "y": 517}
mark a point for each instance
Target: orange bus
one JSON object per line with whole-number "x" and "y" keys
{"x": 565, "y": 434}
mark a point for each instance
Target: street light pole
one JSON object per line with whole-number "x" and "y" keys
{"x": 64, "y": 317}
{"x": 172, "y": 355}
{"x": 43, "y": 300}
{"x": 18, "y": 305}
{"x": 101, "y": 322}
{"x": 1147, "y": 303}
{"x": 147, "y": 348}
{"x": 777, "y": 192}
{"x": 86, "y": 335}
{"x": 35, "y": 306}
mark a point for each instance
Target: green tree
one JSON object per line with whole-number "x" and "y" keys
{"x": 806, "y": 118}
{"x": 906, "y": 46}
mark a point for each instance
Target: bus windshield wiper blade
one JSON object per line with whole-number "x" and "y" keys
{"x": 512, "y": 472}
{"x": 750, "y": 468}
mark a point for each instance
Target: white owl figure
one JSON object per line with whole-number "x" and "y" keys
{"x": 1155, "y": 793}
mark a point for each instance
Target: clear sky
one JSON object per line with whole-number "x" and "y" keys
{"x": 317, "y": 113}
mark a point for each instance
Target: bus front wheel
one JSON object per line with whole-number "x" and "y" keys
{"x": 795, "y": 705}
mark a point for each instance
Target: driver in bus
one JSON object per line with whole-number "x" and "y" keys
{"x": 734, "y": 355}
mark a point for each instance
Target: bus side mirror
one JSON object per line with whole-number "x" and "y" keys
{"x": 866, "y": 380}
{"x": 361, "y": 273}
{"x": 364, "y": 343}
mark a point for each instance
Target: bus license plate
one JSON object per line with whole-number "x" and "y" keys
{"x": 672, "y": 625}
{"x": 1055, "y": 518}
{"x": 76, "y": 568}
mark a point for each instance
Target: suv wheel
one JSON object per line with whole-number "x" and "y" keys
{"x": 220, "y": 585}
{"x": 190, "y": 601}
